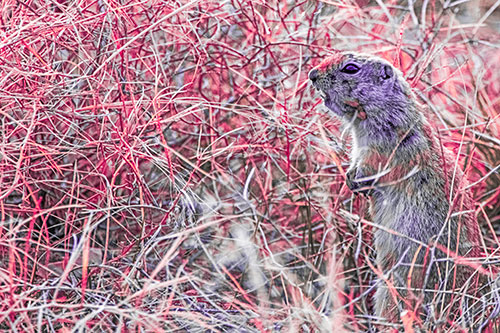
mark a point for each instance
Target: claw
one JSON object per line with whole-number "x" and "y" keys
{"x": 361, "y": 187}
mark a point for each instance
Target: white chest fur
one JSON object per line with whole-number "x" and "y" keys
{"x": 357, "y": 151}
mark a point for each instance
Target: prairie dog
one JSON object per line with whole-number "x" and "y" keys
{"x": 418, "y": 196}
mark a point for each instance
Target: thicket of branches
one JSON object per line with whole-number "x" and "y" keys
{"x": 166, "y": 166}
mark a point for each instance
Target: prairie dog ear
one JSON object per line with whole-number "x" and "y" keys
{"x": 387, "y": 72}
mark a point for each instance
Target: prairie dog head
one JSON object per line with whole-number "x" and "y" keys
{"x": 360, "y": 85}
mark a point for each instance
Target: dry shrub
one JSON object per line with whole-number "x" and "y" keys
{"x": 165, "y": 165}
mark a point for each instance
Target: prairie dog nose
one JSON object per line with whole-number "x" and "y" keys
{"x": 313, "y": 75}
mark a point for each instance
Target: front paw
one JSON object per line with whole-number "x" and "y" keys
{"x": 354, "y": 180}
{"x": 349, "y": 180}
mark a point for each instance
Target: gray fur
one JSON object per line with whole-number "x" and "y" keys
{"x": 385, "y": 120}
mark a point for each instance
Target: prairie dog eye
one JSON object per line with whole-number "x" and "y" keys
{"x": 350, "y": 69}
